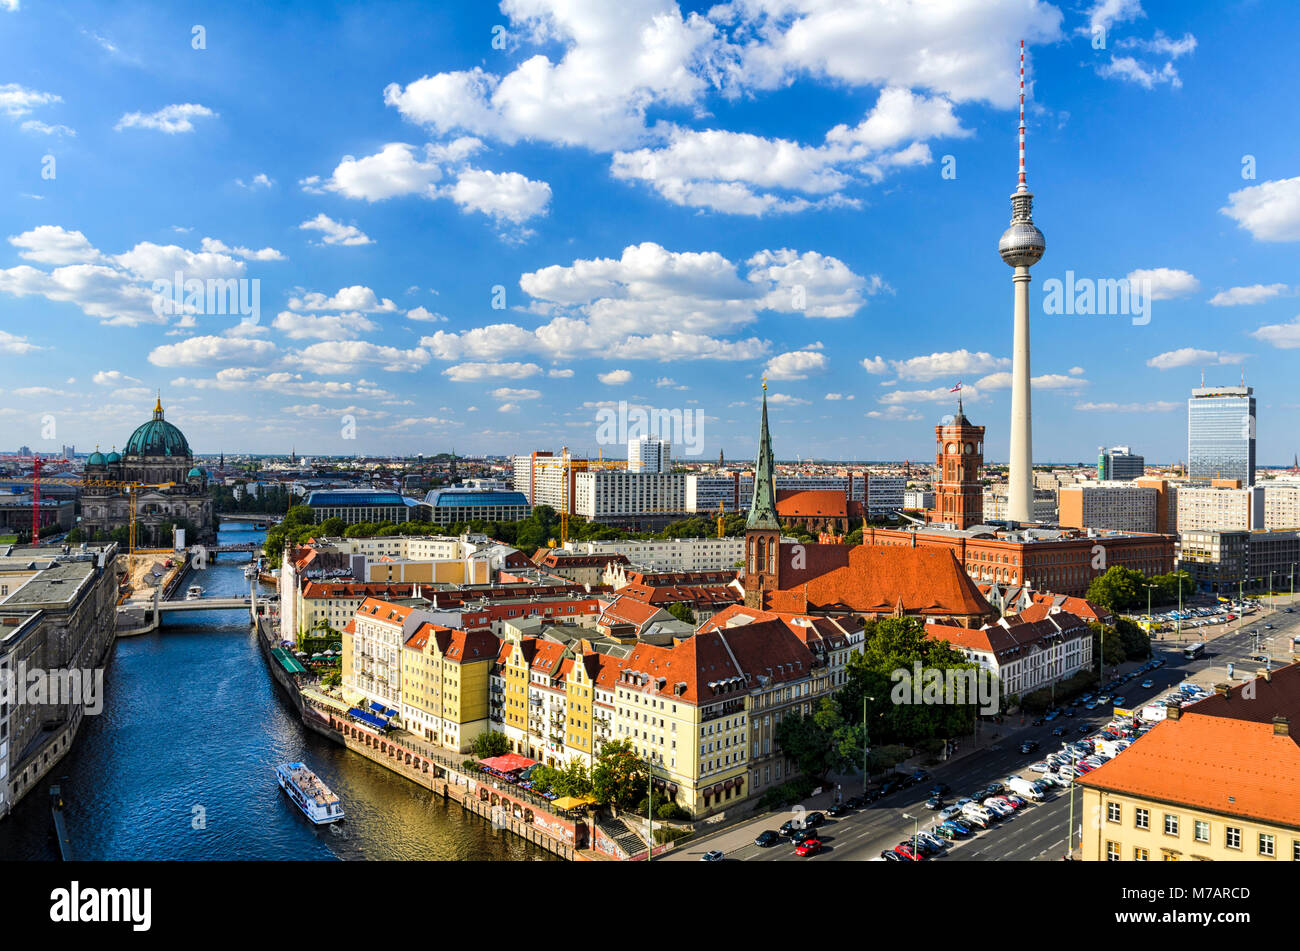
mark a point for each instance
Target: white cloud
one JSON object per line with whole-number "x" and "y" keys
{"x": 199, "y": 351}
{"x": 357, "y": 297}
{"x": 508, "y": 393}
{"x": 1157, "y": 406}
{"x": 170, "y": 119}
{"x": 508, "y": 408}
{"x": 899, "y": 116}
{"x": 468, "y": 372}
{"x": 796, "y": 365}
{"x": 113, "y": 378}
{"x": 812, "y": 284}
{"x": 339, "y": 357}
{"x": 16, "y": 100}
{"x": 1283, "y": 336}
{"x": 1166, "y": 283}
{"x": 1270, "y": 211}
{"x": 615, "y": 377}
{"x": 51, "y": 244}
{"x": 506, "y": 196}
{"x": 560, "y": 374}
{"x": 875, "y": 365}
{"x": 785, "y": 399}
{"x": 953, "y": 363}
{"x": 11, "y": 343}
{"x": 44, "y": 128}
{"x": 218, "y": 247}
{"x": 1103, "y": 14}
{"x": 839, "y": 396}
{"x": 1190, "y": 356}
{"x": 1130, "y": 70}
{"x": 344, "y": 326}
{"x": 394, "y": 170}
{"x": 260, "y": 180}
{"x": 1253, "y": 294}
{"x": 940, "y": 394}
{"x": 1076, "y": 371}
{"x": 425, "y": 315}
{"x": 896, "y": 412}
{"x": 334, "y": 232}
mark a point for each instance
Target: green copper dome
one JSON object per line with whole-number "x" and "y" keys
{"x": 157, "y": 438}
{"x": 96, "y": 459}
{"x": 112, "y": 457}
{"x": 195, "y": 473}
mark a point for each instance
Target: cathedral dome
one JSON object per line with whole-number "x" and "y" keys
{"x": 96, "y": 459}
{"x": 112, "y": 457}
{"x": 158, "y": 437}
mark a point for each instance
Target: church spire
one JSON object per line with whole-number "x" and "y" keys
{"x": 762, "y": 508}
{"x": 157, "y": 407}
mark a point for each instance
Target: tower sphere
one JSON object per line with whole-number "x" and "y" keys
{"x": 1022, "y": 244}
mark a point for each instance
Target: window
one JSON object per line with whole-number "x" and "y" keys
{"x": 1295, "y": 850}
{"x": 1141, "y": 819}
{"x": 1141, "y": 855}
{"x": 1266, "y": 844}
{"x": 1232, "y": 837}
{"x": 1112, "y": 812}
{"x": 1202, "y": 831}
{"x": 1171, "y": 824}
{"x": 1112, "y": 851}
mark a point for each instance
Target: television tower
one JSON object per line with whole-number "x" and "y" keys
{"x": 1021, "y": 247}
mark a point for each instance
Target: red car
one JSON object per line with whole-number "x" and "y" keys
{"x": 906, "y": 851}
{"x": 808, "y": 847}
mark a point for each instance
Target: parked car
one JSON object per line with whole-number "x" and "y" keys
{"x": 945, "y": 831}
{"x": 906, "y": 851}
{"x": 814, "y": 819}
{"x": 940, "y": 789}
{"x": 855, "y": 802}
{"x": 889, "y": 855}
{"x": 959, "y": 827}
{"x": 791, "y": 827}
{"x": 808, "y": 847}
{"x": 949, "y": 812}
{"x": 931, "y": 840}
{"x": 713, "y": 855}
{"x": 837, "y": 809}
{"x": 803, "y": 835}
{"x": 766, "y": 838}
{"x": 934, "y": 802}
{"x": 1040, "y": 767}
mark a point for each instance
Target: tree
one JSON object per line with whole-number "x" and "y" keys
{"x": 618, "y": 778}
{"x": 543, "y": 777}
{"x": 1119, "y": 588}
{"x": 682, "y": 612}
{"x": 489, "y": 744}
{"x": 572, "y": 780}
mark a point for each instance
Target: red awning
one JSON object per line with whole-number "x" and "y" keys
{"x": 508, "y": 762}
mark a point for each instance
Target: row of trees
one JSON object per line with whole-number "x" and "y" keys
{"x": 873, "y": 709}
{"x": 270, "y": 499}
{"x": 617, "y": 778}
{"x": 1123, "y": 589}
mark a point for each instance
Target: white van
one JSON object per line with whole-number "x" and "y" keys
{"x": 1027, "y": 788}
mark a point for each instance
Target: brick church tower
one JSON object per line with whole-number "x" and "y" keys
{"x": 959, "y": 455}
{"x": 762, "y": 528}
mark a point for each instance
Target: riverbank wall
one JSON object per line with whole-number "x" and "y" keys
{"x": 503, "y": 806}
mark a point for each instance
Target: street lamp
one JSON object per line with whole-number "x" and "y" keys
{"x": 916, "y": 832}
{"x": 1150, "y": 588}
{"x": 866, "y": 742}
{"x": 1069, "y": 829}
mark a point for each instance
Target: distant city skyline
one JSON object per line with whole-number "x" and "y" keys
{"x": 485, "y": 224}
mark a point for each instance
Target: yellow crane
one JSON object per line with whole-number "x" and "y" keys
{"x": 720, "y": 519}
{"x": 132, "y": 491}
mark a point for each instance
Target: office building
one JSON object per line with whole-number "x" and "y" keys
{"x": 649, "y": 454}
{"x": 1119, "y": 464}
{"x": 362, "y": 505}
{"x": 1119, "y": 506}
{"x": 1221, "y": 433}
{"x": 1224, "y": 505}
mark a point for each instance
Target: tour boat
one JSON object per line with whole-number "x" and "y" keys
{"x": 312, "y": 796}
{"x": 251, "y": 570}
{"x": 194, "y": 593}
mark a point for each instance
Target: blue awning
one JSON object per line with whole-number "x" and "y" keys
{"x": 370, "y": 718}
{"x": 381, "y": 709}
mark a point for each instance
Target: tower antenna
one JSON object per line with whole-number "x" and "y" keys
{"x": 1022, "y": 187}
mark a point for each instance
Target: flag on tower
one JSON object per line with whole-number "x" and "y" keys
{"x": 956, "y": 388}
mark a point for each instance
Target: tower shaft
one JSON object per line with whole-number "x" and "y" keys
{"x": 1020, "y": 497}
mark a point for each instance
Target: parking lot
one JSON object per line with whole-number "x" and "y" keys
{"x": 1037, "y": 831}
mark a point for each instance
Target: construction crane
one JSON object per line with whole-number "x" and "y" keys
{"x": 720, "y": 519}
{"x": 132, "y": 491}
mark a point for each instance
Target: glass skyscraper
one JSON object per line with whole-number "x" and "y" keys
{"x": 1221, "y": 433}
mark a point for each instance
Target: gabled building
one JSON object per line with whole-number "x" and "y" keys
{"x": 1024, "y": 655}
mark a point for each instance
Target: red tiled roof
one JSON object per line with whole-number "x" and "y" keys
{"x": 1225, "y": 765}
{"x": 376, "y": 609}
{"x": 877, "y": 579}
{"x": 811, "y": 503}
{"x": 672, "y": 594}
{"x": 1010, "y": 637}
{"x": 625, "y": 610}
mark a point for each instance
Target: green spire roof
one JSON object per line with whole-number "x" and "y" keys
{"x": 762, "y": 508}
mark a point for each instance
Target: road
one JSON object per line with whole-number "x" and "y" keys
{"x": 1036, "y": 832}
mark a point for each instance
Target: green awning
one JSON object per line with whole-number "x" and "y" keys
{"x": 288, "y": 661}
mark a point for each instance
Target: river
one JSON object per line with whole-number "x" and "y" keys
{"x": 179, "y": 765}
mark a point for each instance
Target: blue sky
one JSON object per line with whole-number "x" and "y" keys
{"x": 665, "y": 200}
